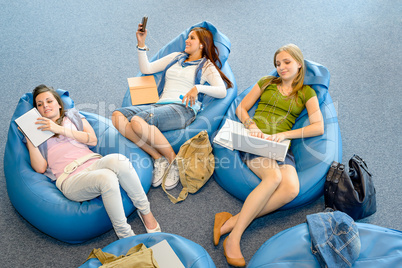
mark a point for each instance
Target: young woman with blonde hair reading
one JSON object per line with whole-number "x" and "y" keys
{"x": 282, "y": 99}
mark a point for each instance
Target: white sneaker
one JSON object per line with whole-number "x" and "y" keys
{"x": 173, "y": 177}
{"x": 160, "y": 166}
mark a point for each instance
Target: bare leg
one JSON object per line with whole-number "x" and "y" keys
{"x": 287, "y": 190}
{"x": 125, "y": 129}
{"x": 279, "y": 186}
{"x": 152, "y": 136}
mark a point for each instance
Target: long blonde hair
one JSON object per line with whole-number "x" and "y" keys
{"x": 297, "y": 84}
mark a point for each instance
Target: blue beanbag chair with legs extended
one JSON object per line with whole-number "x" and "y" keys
{"x": 380, "y": 247}
{"x": 313, "y": 155}
{"x": 214, "y": 109}
{"x": 190, "y": 254}
{"x": 39, "y": 201}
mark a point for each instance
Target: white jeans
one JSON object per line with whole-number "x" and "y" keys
{"x": 103, "y": 178}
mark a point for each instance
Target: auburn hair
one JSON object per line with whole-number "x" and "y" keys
{"x": 210, "y": 51}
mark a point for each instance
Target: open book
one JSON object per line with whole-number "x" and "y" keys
{"x": 26, "y": 122}
{"x": 165, "y": 256}
{"x": 233, "y": 135}
{"x": 143, "y": 90}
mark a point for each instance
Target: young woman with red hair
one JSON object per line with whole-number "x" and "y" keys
{"x": 185, "y": 75}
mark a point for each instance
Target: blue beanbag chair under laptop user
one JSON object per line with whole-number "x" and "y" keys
{"x": 313, "y": 155}
{"x": 190, "y": 254}
{"x": 214, "y": 109}
{"x": 380, "y": 247}
{"x": 39, "y": 201}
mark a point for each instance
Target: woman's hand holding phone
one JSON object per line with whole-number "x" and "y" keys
{"x": 142, "y": 32}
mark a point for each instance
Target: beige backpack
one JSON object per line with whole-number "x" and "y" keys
{"x": 196, "y": 164}
{"x": 137, "y": 256}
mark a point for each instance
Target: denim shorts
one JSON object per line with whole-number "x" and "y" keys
{"x": 289, "y": 159}
{"x": 164, "y": 116}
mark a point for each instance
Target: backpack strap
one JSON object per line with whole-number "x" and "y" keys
{"x": 184, "y": 192}
{"x": 105, "y": 257}
{"x": 186, "y": 160}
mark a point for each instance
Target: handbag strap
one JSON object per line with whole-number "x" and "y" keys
{"x": 331, "y": 170}
{"x": 334, "y": 180}
{"x": 338, "y": 173}
{"x": 359, "y": 161}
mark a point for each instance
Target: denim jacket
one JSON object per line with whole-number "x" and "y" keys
{"x": 335, "y": 240}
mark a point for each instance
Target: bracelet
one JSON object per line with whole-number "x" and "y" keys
{"x": 248, "y": 123}
{"x": 88, "y": 137}
{"x": 143, "y": 48}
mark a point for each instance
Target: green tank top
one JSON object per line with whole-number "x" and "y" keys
{"x": 277, "y": 113}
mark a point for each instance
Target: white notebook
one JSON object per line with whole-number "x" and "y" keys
{"x": 271, "y": 149}
{"x": 233, "y": 135}
{"x": 224, "y": 135}
{"x": 165, "y": 256}
{"x": 26, "y": 122}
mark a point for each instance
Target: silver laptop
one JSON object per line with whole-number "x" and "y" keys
{"x": 271, "y": 149}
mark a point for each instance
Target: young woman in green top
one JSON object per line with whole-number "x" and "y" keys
{"x": 282, "y": 99}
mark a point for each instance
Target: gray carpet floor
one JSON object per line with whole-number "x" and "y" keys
{"x": 88, "y": 48}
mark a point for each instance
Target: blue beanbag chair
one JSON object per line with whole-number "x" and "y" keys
{"x": 39, "y": 201}
{"x": 380, "y": 247}
{"x": 214, "y": 109}
{"x": 313, "y": 155}
{"x": 190, "y": 254}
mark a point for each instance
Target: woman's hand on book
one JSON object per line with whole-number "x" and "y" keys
{"x": 48, "y": 124}
{"x": 278, "y": 137}
{"x": 256, "y": 132}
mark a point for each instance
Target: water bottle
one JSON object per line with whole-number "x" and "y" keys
{"x": 196, "y": 104}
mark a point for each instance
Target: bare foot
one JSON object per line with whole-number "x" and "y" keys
{"x": 228, "y": 226}
{"x": 149, "y": 220}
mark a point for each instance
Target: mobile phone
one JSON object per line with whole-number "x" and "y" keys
{"x": 144, "y": 23}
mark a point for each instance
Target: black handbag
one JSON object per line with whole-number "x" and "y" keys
{"x": 351, "y": 192}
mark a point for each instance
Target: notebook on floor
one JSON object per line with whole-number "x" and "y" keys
{"x": 165, "y": 256}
